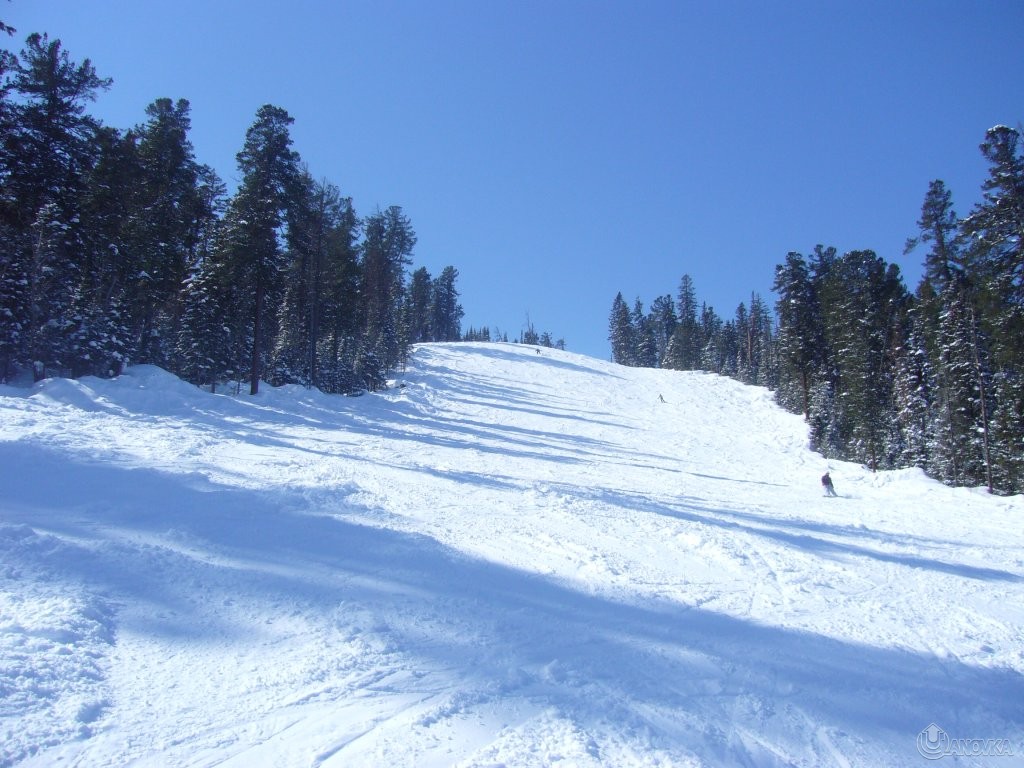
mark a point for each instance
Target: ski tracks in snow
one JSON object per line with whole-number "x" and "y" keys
{"x": 511, "y": 558}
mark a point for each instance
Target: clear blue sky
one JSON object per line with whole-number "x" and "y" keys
{"x": 557, "y": 152}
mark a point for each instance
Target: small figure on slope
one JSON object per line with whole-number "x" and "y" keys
{"x": 826, "y": 483}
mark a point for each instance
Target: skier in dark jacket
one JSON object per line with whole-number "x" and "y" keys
{"x": 826, "y": 482}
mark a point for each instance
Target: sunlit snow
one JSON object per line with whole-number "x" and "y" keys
{"x": 511, "y": 557}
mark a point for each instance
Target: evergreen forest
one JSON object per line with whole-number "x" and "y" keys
{"x": 119, "y": 246}
{"x": 885, "y": 377}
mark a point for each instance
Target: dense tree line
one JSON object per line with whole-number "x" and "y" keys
{"x": 528, "y": 335}
{"x": 931, "y": 379}
{"x": 119, "y": 247}
{"x": 681, "y": 335}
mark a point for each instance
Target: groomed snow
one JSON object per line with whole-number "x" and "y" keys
{"x": 512, "y": 557}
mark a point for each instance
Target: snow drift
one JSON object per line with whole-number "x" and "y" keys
{"x": 512, "y": 557}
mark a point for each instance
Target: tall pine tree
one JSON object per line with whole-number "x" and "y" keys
{"x": 387, "y": 248}
{"x": 270, "y": 182}
{"x": 446, "y": 312}
{"x": 621, "y": 333}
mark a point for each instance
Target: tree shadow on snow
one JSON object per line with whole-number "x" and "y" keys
{"x": 775, "y": 530}
{"x": 520, "y": 354}
{"x": 683, "y": 676}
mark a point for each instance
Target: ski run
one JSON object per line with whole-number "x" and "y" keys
{"x": 511, "y": 557}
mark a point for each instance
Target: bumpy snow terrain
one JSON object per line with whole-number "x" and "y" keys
{"x": 512, "y": 557}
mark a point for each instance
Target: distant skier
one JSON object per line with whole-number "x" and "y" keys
{"x": 662, "y": 399}
{"x": 826, "y": 483}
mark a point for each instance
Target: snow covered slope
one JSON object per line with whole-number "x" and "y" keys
{"x": 512, "y": 557}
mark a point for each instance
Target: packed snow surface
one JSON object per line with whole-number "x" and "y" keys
{"x": 511, "y": 557}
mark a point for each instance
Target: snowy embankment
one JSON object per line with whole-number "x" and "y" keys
{"x": 510, "y": 558}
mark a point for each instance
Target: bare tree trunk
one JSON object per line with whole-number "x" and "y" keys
{"x": 981, "y": 400}
{"x": 254, "y": 372}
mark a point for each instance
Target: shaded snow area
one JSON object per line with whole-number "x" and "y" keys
{"x": 511, "y": 557}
